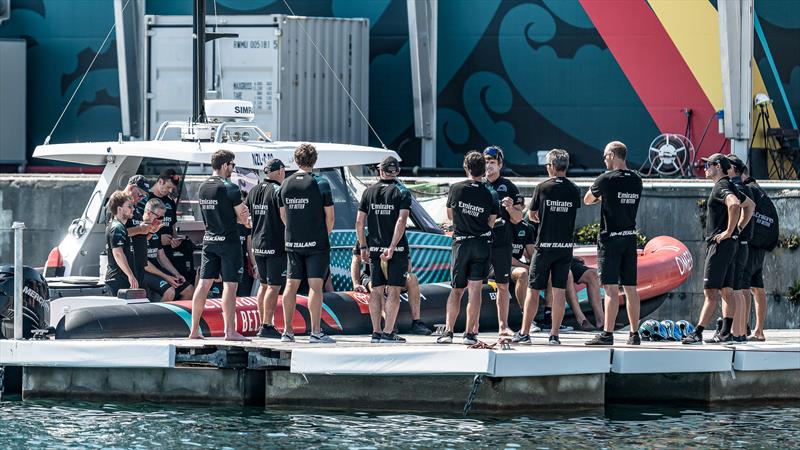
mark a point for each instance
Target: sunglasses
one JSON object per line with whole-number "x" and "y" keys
{"x": 709, "y": 164}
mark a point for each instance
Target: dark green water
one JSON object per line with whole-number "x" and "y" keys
{"x": 85, "y": 425}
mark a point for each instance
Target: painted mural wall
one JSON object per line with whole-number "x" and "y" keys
{"x": 528, "y": 75}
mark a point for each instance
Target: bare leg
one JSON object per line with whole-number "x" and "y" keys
{"x": 529, "y": 311}
{"x": 503, "y": 298}
{"x": 633, "y": 306}
{"x": 559, "y": 304}
{"x": 289, "y": 301}
{"x": 473, "y": 304}
{"x": 412, "y": 285}
{"x": 728, "y": 303}
{"x": 453, "y": 308}
{"x": 592, "y": 282}
{"x": 270, "y": 302}
{"x": 315, "y": 286}
{"x": 169, "y": 295}
{"x": 198, "y": 304}
{"x": 572, "y": 298}
{"x": 391, "y": 306}
{"x": 612, "y": 307}
{"x": 375, "y": 308}
{"x": 709, "y": 306}
{"x": 261, "y": 296}
{"x": 187, "y": 293}
{"x": 520, "y": 276}
{"x": 760, "y": 297}
{"x": 229, "y": 311}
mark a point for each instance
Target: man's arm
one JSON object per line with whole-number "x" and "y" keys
{"x": 734, "y": 207}
{"x": 361, "y": 237}
{"x": 283, "y": 215}
{"x": 533, "y": 216}
{"x": 492, "y": 219}
{"x": 122, "y": 263}
{"x": 514, "y": 210}
{"x": 243, "y": 215}
{"x": 399, "y": 231}
{"x": 167, "y": 264}
{"x": 329, "y": 218}
{"x": 590, "y": 199}
{"x": 748, "y": 207}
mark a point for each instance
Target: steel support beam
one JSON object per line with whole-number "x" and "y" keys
{"x": 736, "y": 52}
{"x": 128, "y": 30}
{"x": 422, "y": 34}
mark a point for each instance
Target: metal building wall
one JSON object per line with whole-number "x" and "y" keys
{"x": 314, "y": 106}
{"x": 12, "y": 101}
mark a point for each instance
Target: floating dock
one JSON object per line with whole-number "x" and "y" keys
{"x": 417, "y": 376}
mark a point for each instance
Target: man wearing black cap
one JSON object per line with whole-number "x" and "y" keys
{"x": 268, "y": 244}
{"x": 384, "y": 207}
{"x": 741, "y": 276}
{"x": 137, "y": 228}
{"x": 723, "y": 207}
{"x": 511, "y": 203}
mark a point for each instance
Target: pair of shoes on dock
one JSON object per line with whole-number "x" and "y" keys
{"x": 387, "y": 338}
{"x": 526, "y": 339}
{"x": 607, "y": 339}
{"x": 467, "y": 339}
{"x": 320, "y": 338}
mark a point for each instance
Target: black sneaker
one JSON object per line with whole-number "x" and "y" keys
{"x": 445, "y": 338}
{"x": 693, "y": 338}
{"x": 376, "y": 338}
{"x": 561, "y": 328}
{"x": 521, "y": 338}
{"x": 268, "y": 332}
{"x": 392, "y": 338}
{"x": 601, "y": 339}
{"x": 469, "y": 339}
{"x": 740, "y": 339}
{"x": 553, "y": 341}
{"x": 419, "y": 327}
{"x": 720, "y": 339}
{"x": 634, "y": 339}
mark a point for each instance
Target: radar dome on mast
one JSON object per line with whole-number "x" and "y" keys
{"x": 218, "y": 111}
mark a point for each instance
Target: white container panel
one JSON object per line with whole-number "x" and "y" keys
{"x": 12, "y": 101}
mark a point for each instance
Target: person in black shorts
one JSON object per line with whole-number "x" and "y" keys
{"x": 306, "y": 203}
{"x": 554, "y": 206}
{"x": 511, "y": 204}
{"x": 618, "y": 191}
{"x": 723, "y": 209}
{"x": 119, "y": 246}
{"x": 522, "y": 253}
{"x": 268, "y": 245}
{"x": 472, "y": 207}
{"x": 741, "y": 276}
{"x": 755, "y": 265}
{"x": 162, "y": 279}
{"x": 222, "y": 208}
{"x": 137, "y": 228}
{"x": 384, "y": 209}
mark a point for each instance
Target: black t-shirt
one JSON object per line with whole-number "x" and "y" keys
{"x": 170, "y": 212}
{"x": 524, "y": 235}
{"x": 557, "y": 200}
{"x": 472, "y": 203}
{"x": 153, "y": 246}
{"x": 503, "y": 187}
{"x": 268, "y": 229}
{"x": 117, "y": 237}
{"x": 744, "y": 193}
{"x": 304, "y": 197}
{"x": 139, "y": 241}
{"x": 382, "y": 203}
{"x": 717, "y": 212}
{"x": 244, "y": 232}
{"x": 218, "y": 197}
{"x": 620, "y": 192}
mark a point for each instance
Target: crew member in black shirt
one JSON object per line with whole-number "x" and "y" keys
{"x": 307, "y": 211}
{"x": 161, "y": 278}
{"x": 119, "y": 246}
{"x": 741, "y": 278}
{"x": 755, "y": 263}
{"x": 166, "y": 182}
{"x": 723, "y": 208}
{"x": 384, "y": 208}
{"x": 554, "y": 205}
{"x": 472, "y": 207}
{"x": 222, "y": 208}
{"x": 268, "y": 245}
{"x": 523, "y": 249}
{"x": 511, "y": 204}
{"x": 619, "y": 191}
{"x": 137, "y": 228}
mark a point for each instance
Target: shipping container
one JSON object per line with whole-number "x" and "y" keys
{"x": 278, "y": 62}
{"x": 12, "y": 101}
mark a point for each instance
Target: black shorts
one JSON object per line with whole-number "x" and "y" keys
{"x": 718, "y": 272}
{"x": 578, "y": 268}
{"x": 157, "y": 285}
{"x": 550, "y": 265}
{"x": 501, "y": 263}
{"x": 755, "y": 267}
{"x": 222, "y": 259}
{"x": 115, "y": 285}
{"x": 397, "y": 271}
{"x": 303, "y": 266}
{"x": 470, "y": 261}
{"x": 616, "y": 260}
{"x": 271, "y": 269}
{"x": 741, "y": 279}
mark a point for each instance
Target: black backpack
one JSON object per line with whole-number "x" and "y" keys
{"x": 765, "y": 219}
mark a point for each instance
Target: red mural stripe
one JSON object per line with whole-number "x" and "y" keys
{"x": 654, "y": 67}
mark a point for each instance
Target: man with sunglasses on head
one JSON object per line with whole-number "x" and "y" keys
{"x": 722, "y": 209}
{"x": 511, "y": 204}
{"x": 222, "y": 208}
{"x": 161, "y": 278}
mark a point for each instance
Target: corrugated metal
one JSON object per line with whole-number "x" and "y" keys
{"x": 272, "y": 63}
{"x": 12, "y": 101}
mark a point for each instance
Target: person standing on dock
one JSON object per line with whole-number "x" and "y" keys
{"x": 618, "y": 191}
{"x": 384, "y": 208}
{"x": 306, "y": 202}
{"x": 222, "y": 208}
{"x": 119, "y": 246}
{"x": 268, "y": 244}
{"x": 511, "y": 204}
{"x": 554, "y": 206}
{"x": 722, "y": 211}
{"x": 472, "y": 207}
{"x": 755, "y": 259}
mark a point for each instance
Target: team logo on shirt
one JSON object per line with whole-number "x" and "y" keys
{"x": 470, "y": 210}
{"x": 626, "y": 198}
{"x": 381, "y": 209}
{"x": 208, "y": 203}
{"x": 296, "y": 203}
{"x": 558, "y": 205}
{"x": 502, "y": 188}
